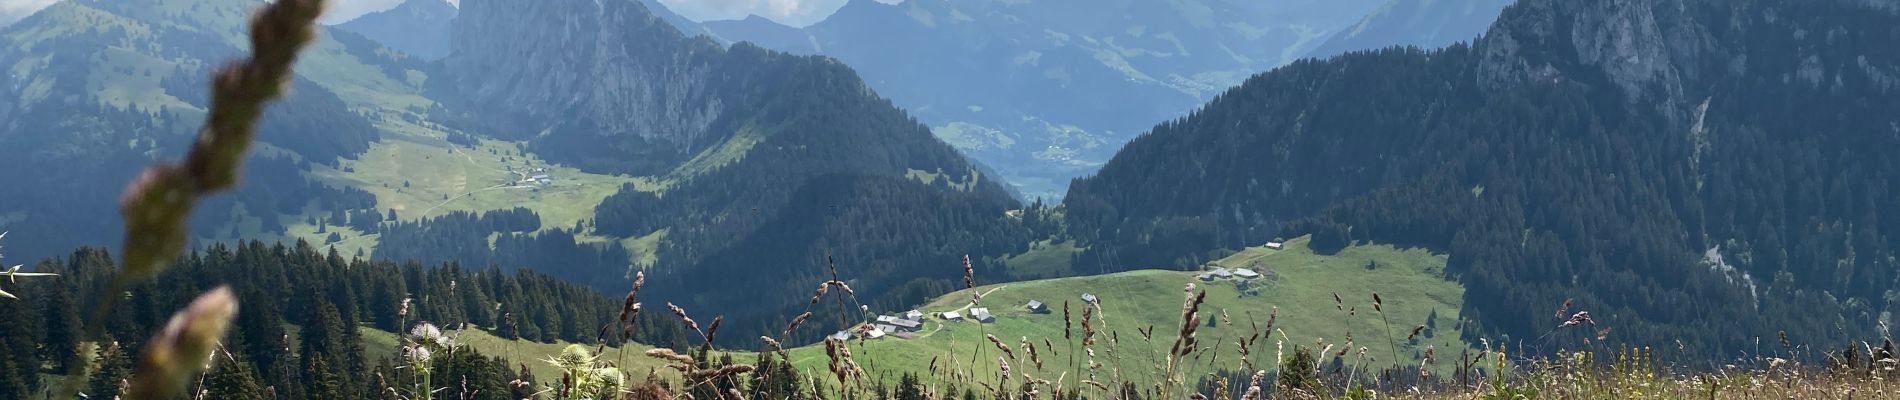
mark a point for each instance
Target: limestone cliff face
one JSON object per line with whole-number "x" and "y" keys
{"x": 1641, "y": 46}
{"x": 521, "y": 68}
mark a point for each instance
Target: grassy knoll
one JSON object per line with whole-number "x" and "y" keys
{"x": 1302, "y": 290}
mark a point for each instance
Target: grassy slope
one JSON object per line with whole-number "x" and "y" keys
{"x": 1410, "y": 281}
{"x": 378, "y": 344}
{"x": 1044, "y": 259}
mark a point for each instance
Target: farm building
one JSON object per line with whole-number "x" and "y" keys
{"x": 914, "y": 315}
{"x": 1037, "y": 307}
{"x": 1091, "y": 299}
{"x": 951, "y": 316}
{"x": 904, "y": 325}
{"x": 1276, "y": 246}
{"x": 840, "y": 336}
{"x": 982, "y": 315}
{"x": 1246, "y": 273}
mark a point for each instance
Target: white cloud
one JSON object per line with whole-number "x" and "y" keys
{"x": 14, "y": 10}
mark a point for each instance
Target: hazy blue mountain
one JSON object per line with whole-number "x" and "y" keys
{"x": 417, "y": 27}
{"x": 1421, "y": 23}
{"x": 1044, "y": 91}
{"x": 765, "y": 33}
{"x": 679, "y": 22}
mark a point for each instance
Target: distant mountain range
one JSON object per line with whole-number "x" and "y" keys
{"x": 1043, "y": 92}
{"x": 1426, "y": 24}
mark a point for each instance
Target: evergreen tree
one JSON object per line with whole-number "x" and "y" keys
{"x": 60, "y": 344}
{"x": 233, "y": 379}
{"x": 322, "y": 349}
{"x": 114, "y": 367}
{"x": 909, "y": 388}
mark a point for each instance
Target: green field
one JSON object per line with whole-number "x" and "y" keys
{"x": 1045, "y": 259}
{"x": 633, "y": 359}
{"x": 1410, "y": 281}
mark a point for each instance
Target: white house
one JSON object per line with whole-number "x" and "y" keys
{"x": 1276, "y": 245}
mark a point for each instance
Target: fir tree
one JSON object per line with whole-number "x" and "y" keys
{"x": 233, "y": 379}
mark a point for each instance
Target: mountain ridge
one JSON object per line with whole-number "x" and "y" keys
{"x": 1614, "y": 153}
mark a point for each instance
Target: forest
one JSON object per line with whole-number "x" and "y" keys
{"x": 1727, "y": 199}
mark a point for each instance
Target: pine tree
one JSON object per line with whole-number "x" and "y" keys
{"x": 233, "y": 379}
{"x": 115, "y": 365}
{"x": 323, "y": 349}
{"x": 61, "y": 340}
{"x": 19, "y": 361}
{"x": 909, "y": 388}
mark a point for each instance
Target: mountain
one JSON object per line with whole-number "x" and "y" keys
{"x": 417, "y": 27}
{"x": 1696, "y": 173}
{"x": 677, "y": 21}
{"x": 758, "y": 157}
{"x": 98, "y": 89}
{"x": 1425, "y": 24}
{"x": 1045, "y": 91}
{"x": 764, "y": 33}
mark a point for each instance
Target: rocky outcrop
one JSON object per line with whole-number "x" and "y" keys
{"x": 1646, "y": 48}
{"x": 604, "y": 68}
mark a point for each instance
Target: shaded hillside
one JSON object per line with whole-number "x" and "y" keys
{"x": 1694, "y": 170}
{"x": 750, "y": 144}
{"x": 99, "y": 88}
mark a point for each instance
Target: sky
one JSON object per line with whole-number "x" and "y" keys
{"x": 797, "y": 13}
{"x": 14, "y": 10}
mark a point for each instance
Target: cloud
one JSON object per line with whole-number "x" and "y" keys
{"x": 14, "y": 10}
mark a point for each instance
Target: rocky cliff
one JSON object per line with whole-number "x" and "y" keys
{"x": 608, "y": 70}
